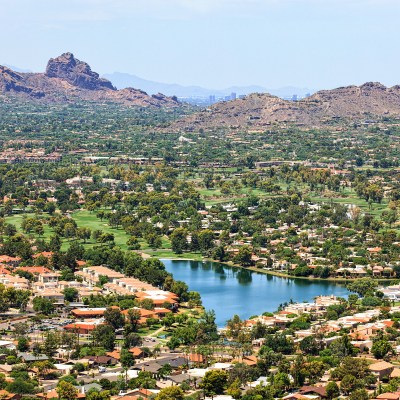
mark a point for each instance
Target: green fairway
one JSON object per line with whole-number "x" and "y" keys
{"x": 87, "y": 219}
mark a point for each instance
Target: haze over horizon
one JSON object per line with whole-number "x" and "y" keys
{"x": 212, "y": 43}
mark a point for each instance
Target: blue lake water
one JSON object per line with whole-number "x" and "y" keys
{"x": 229, "y": 291}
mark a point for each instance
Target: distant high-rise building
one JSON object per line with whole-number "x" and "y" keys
{"x": 294, "y": 97}
{"x": 242, "y": 96}
{"x": 233, "y": 96}
{"x": 227, "y": 98}
{"x": 212, "y": 99}
{"x": 308, "y": 94}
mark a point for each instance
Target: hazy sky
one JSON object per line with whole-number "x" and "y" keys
{"x": 213, "y": 43}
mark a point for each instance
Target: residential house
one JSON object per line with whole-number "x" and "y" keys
{"x": 381, "y": 369}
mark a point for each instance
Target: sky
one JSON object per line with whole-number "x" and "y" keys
{"x": 318, "y": 44}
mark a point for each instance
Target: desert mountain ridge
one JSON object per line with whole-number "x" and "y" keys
{"x": 68, "y": 79}
{"x": 256, "y": 111}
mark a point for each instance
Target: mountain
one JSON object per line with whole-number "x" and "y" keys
{"x": 17, "y": 69}
{"x": 68, "y": 79}
{"x": 256, "y": 111}
{"x": 123, "y": 80}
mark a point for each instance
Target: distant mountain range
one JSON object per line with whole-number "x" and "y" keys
{"x": 367, "y": 102}
{"x": 124, "y": 80}
{"x": 68, "y": 79}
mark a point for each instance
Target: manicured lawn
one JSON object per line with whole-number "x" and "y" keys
{"x": 17, "y": 220}
{"x": 167, "y": 253}
{"x": 375, "y": 209}
{"x": 87, "y": 219}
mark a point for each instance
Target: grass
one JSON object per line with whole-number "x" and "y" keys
{"x": 84, "y": 218}
{"x": 347, "y": 196}
{"x": 375, "y": 209}
{"x": 168, "y": 253}
{"x": 16, "y": 220}
{"x": 87, "y": 219}
{"x": 146, "y": 331}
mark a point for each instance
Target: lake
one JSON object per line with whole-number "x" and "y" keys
{"x": 230, "y": 291}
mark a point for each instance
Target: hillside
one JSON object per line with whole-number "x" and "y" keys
{"x": 68, "y": 79}
{"x": 352, "y": 103}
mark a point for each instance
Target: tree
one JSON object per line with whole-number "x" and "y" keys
{"x": 147, "y": 304}
{"x": 207, "y": 328}
{"x": 219, "y": 253}
{"x": 132, "y": 340}
{"x": 126, "y": 359}
{"x": 234, "y": 389}
{"x": 66, "y": 391}
{"x": 298, "y": 371}
{"x": 315, "y": 370}
{"x": 69, "y": 230}
{"x": 332, "y": 390}
{"x": 133, "y": 318}
{"x": 43, "y": 367}
{"x": 342, "y": 347}
{"x": 214, "y": 382}
{"x": 359, "y": 394}
{"x": 93, "y": 394}
{"x": 55, "y": 243}
{"x": 348, "y": 384}
{"x": 235, "y": 326}
{"x": 357, "y": 367}
{"x": 114, "y": 317}
{"x": 389, "y": 216}
{"x": 20, "y": 386}
{"x": 70, "y": 294}
{"x": 279, "y": 343}
{"x": 154, "y": 241}
{"x": 363, "y": 286}
{"x": 206, "y": 239}
{"x": 281, "y": 382}
{"x": 83, "y": 233}
{"x": 23, "y": 344}
{"x": 133, "y": 243}
{"x": 165, "y": 370}
{"x": 51, "y": 343}
{"x": 104, "y": 336}
{"x": 21, "y": 328}
{"x": 178, "y": 240}
{"x": 244, "y": 256}
{"x": 168, "y": 320}
{"x": 3, "y": 381}
{"x": 309, "y": 345}
{"x": 170, "y": 393}
{"x": 145, "y": 380}
{"x": 43, "y": 306}
{"x": 380, "y": 348}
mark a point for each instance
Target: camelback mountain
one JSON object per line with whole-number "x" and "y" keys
{"x": 68, "y": 79}
{"x": 256, "y": 111}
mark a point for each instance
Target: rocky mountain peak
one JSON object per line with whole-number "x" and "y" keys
{"x": 76, "y": 72}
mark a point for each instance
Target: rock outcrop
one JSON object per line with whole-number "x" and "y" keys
{"x": 76, "y": 72}
{"x": 11, "y": 81}
{"x": 68, "y": 79}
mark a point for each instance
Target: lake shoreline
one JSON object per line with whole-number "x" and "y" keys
{"x": 278, "y": 273}
{"x": 234, "y": 290}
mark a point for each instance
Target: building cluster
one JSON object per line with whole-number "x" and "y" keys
{"x": 14, "y": 156}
